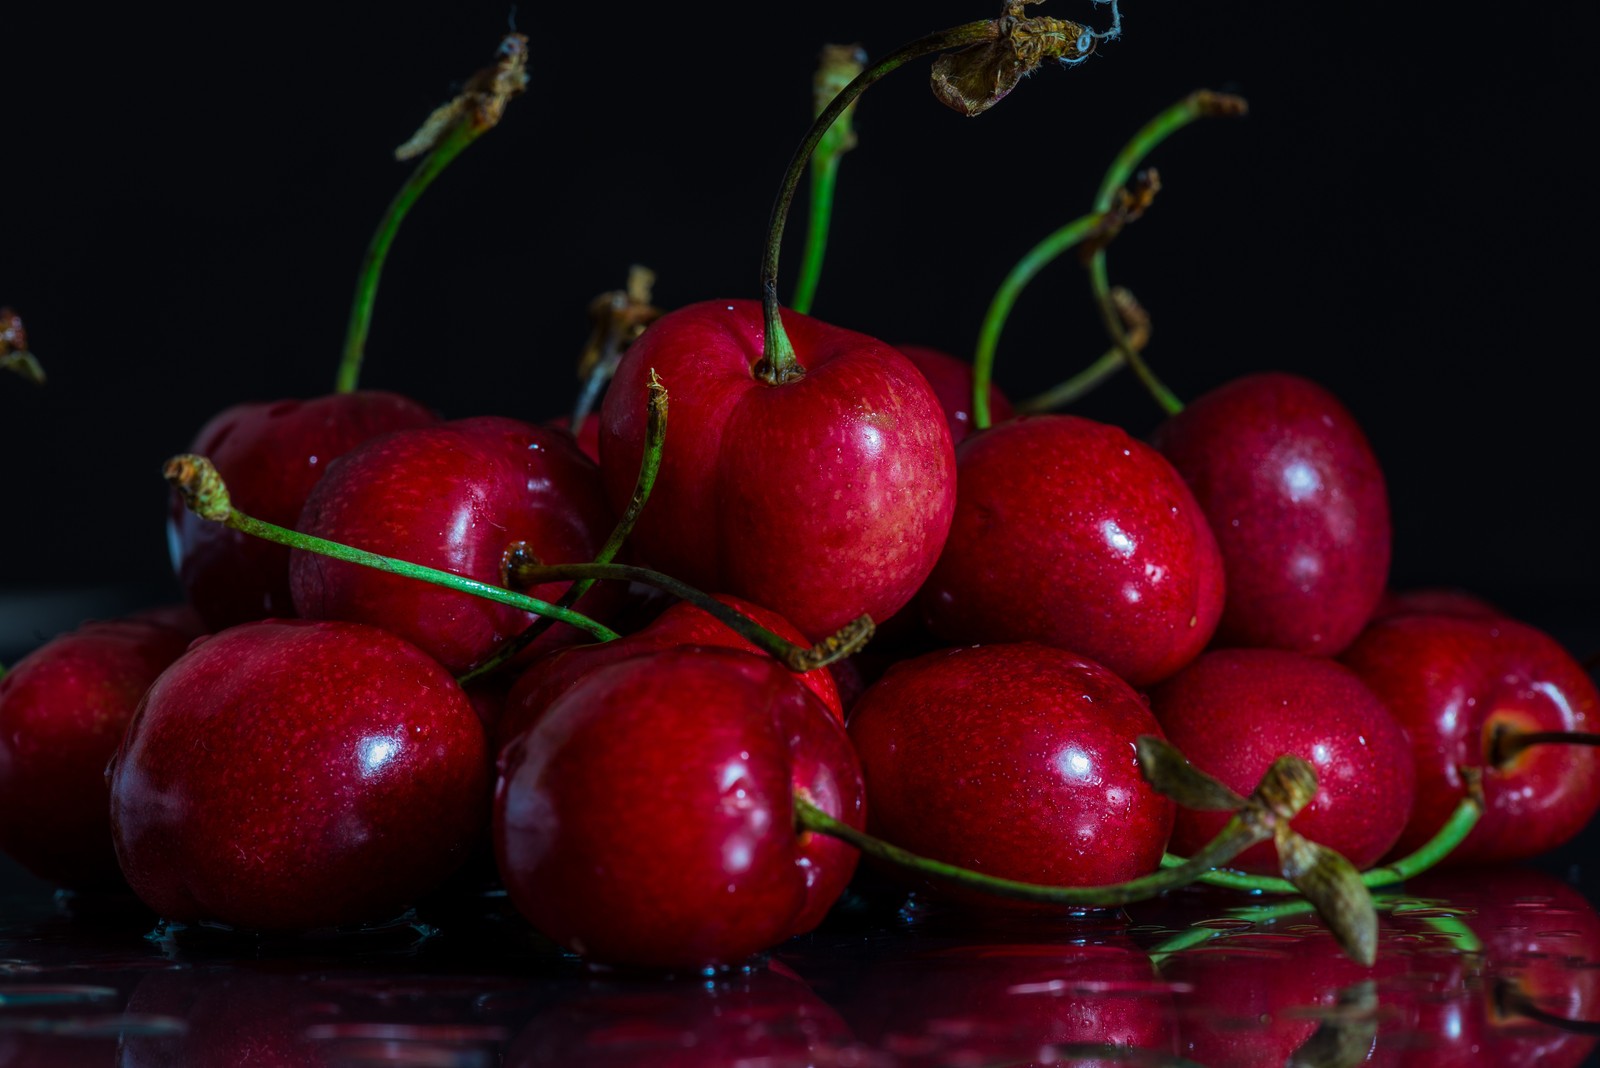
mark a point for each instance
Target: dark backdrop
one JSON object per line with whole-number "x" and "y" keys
{"x": 1401, "y": 217}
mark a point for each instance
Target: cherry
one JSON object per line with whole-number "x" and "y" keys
{"x": 1232, "y": 711}
{"x": 63, "y": 709}
{"x": 1434, "y": 600}
{"x": 852, "y": 460}
{"x": 272, "y": 454}
{"x": 1464, "y": 688}
{"x": 681, "y": 624}
{"x": 648, "y": 818}
{"x": 951, "y": 379}
{"x": 1070, "y": 532}
{"x": 296, "y": 774}
{"x": 470, "y": 497}
{"x": 1015, "y": 760}
{"x": 1297, "y": 501}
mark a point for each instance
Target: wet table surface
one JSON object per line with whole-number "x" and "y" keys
{"x": 1495, "y": 967}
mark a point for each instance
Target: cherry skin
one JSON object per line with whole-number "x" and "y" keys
{"x": 457, "y": 496}
{"x": 270, "y": 454}
{"x": 1070, "y": 532}
{"x": 951, "y": 379}
{"x": 63, "y": 709}
{"x": 682, "y": 624}
{"x": 1234, "y": 711}
{"x": 295, "y": 775}
{"x": 1297, "y": 501}
{"x": 1014, "y": 760}
{"x": 1451, "y": 681}
{"x": 1434, "y": 600}
{"x": 647, "y": 819}
{"x": 822, "y": 498}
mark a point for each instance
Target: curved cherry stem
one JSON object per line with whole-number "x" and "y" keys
{"x": 1506, "y": 742}
{"x": 444, "y": 136}
{"x": 778, "y": 360}
{"x": 205, "y": 494}
{"x": 1430, "y": 853}
{"x": 839, "y": 64}
{"x": 1509, "y": 1000}
{"x": 847, "y": 640}
{"x": 649, "y": 468}
{"x": 1089, "y": 379}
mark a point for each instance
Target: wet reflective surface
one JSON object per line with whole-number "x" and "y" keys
{"x": 1497, "y": 967}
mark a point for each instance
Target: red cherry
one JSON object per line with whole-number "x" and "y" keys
{"x": 1015, "y": 760}
{"x": 459, "y": 496}
{"x": 271, "y": 454}
{"x": 1434, "y": 600}
{"x": 293, "y": 774}
{"x": 587, "y": 437}
{"x": 682, "y": 624}
{"x": 1451, "y": 681}
{"x": 648, "y": 818}
{"x": 63, "y": 709}
{"x": 1233, "y": 711}
{"x": 1070, "y": 532}
{"x": 951, "y": 379}
{"x": 1297, "y": 500}
{"x": 822, "y": 498}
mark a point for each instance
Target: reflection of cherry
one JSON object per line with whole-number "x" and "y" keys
{"x": 1519, "y": 928}
{"x": 759, "y": 1018}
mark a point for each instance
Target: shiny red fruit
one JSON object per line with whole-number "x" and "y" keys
{"x": 822, "y": 498}
{"x": 270, "y": 454}
{"x": 648, "y": 818}
{"x": 293, "y": 775}
{"x": 951, "y": 379}
{"x": 460, "y": 497}
{"x": 1070, "y": 532}
{"x": 1451, "y": 681}
{"x": 1234, "y": 711}
{"x": 63, "y": 709}
{"x": 1016, "y": 760}
{"x": 1297, "y": 500}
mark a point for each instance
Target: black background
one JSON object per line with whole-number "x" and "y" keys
{"x": 1402, "y": 216}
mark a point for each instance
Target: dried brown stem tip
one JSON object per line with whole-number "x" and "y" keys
{"x": 1131, "y": 203}
{"x": 201, "y": 487}
{"x": 978, "y": 77}
{"x": 480, "y": 103}
{"x": 1214, "y": 105}
{"x": 846, "y": 641}
{"x": 616, "y": 318}
{"x": 1135, "y": 320}
{"x": 14, "y": 354}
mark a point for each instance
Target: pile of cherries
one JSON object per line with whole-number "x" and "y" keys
{"x": 324, "y": 734}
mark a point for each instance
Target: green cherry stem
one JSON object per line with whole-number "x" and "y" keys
{"x": 206, "y": 495}
{"x": 649, "y": 467}
{"x": 847, "y": 640}
{"x": 444, "y": 136}
{"x": 1430, "y": 853}
{"x": 839, "y": 64}
{"x": 778, "y": 362}
{"x": 14, "y": 354}
{"x": 1089, "y": 379}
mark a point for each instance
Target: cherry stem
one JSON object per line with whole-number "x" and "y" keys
{"x": 1507, "y": 742}
{"x": 14, "y": 354}
{"x": 1430, "y": 853}
{"x": 649, "y": 468}
{"x": 205, "y": 494}
{"x": 1237, "y": 835}
{"x": 444, "y": 135}
{"x": 1089, "y": 379}
{"x": 847, "y": 640}
{"x": 1509, "y": 1000}
{"x": 837, "y": 66}
{"x": 778, "y": 362}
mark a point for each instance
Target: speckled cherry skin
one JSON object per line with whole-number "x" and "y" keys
{"x": 555, "y": 673}
{"x": 1014, "y": 760}
{"x": 823, "y": 498}
{"x": 454, "y": 496}
{"x": 270, "y": 454}
{"x": 647, "y": 819}
{"x": 1234, "y": 711}
{"x": 1449, "y": 680}
{"x": 1070, "y": 532}
{"x": 296, "y": 775}
{"x": 63, "y": 709}
{"x": 1298, "y": 504}
{"x": 951, "y": 379}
